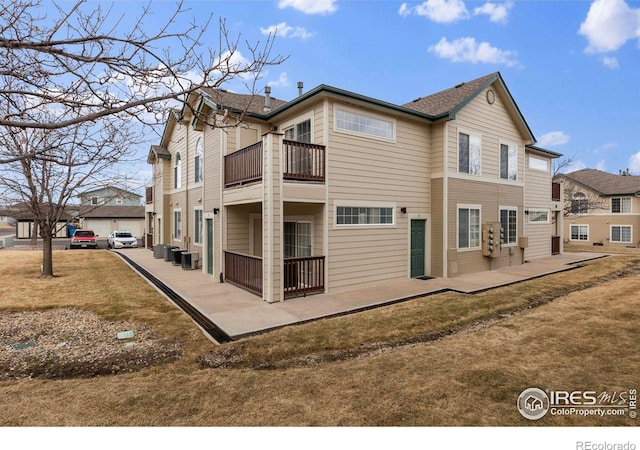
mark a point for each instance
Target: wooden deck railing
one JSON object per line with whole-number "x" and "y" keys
{"x": 303, "y": 276}
{"x": 244, "y": 271}
{"x": 303, "y": 161}
{"x": 555, "y": 245}
{"x": 243, "y": 166}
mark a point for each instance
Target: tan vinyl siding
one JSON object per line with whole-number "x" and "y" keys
{"x": 437, "y": 148}
{"x": 538, "y": 198}
{"x": 437, "y": 244}
{"x": 238, "y": 227}
{"x": 375, "y": 172}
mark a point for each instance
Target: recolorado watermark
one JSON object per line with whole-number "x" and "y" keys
{"x": 588, "y": 445}
{"x": 534, "y": 404}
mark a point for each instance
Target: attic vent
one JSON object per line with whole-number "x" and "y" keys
{"x": 459, "y": 85}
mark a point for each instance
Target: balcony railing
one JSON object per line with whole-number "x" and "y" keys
{"x": 244, "y": 271}
{"x": 303, "y": 276}
{"x": 149, "y": 194}
{"x": 243, "y": 166}
{"x": 555, "y": 192}
{"x": 303, "y": 161}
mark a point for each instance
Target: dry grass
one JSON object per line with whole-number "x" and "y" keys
{"x": 584, "y": 340}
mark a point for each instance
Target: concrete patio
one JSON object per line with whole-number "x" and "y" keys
{"x": 239, "y": 313}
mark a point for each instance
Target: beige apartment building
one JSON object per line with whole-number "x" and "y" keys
{"x": 334, "y": 190}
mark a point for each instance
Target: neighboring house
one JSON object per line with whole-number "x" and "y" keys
{"x": 601, "y": 208}
{"x": 105, "y": 219}
{"x": 25, "y": 224}
{"x": 333, "y": 189}
{"x": 110, "y": 196}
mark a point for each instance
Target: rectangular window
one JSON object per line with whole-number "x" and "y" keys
{"x": 509, "y": 224}
{"x": 469, "y": 153}
{"x": 197, "y": 226}
{"x": 538, "y": 216}
{"x": 468, "y": 227}
{"x": 177, "y": 225}
{"x": 579, "y": 232}
{"x": 508, "y": 162}
{"x": 300, "y": 132}
{"x": 621, "y": 233}
{"x": 621, "y": 205}
{"x": 538, "y": 164}
{"x": 355, "y": 215}
{"x": 364, "y": 124}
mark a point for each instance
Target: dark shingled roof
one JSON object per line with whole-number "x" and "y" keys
{"x": 241, "y": 102}
{"x": 606, "y": 183}
{"x": 124, "y": 212}
{"x": 445, "y": 101}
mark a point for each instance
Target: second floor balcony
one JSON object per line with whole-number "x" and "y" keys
{"x": 301, "y": 161}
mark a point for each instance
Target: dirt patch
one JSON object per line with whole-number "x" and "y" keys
{"x": 70, "y": 343}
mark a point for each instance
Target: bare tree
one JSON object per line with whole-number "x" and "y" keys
{"x": 82, "y": 65}
{"x": 67, "y": 161}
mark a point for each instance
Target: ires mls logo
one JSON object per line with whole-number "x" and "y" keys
{"x": 534, "y": 403}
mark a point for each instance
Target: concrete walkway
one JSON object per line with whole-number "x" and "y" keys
{"x": 239, "y": 313}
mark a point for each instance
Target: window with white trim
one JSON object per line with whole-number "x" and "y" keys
{"x": 621, "y": 205}
{"x": 469, "y": 153}
{"x": 357, "y": 215}
{"x": 538, "y": 164}
{"x": 579, "y": 232}
{"x": 468, "y": 227}
{"x": 538, "y": 216}
{"x": 508, "y": 162}
{"x": 621, "y": 233}
{"x": 197, "y": 162}
{"x": 300, "y": 132}
{"x": 177, "y": 225}
{"x": 197, "y": 226}
{"x": 364, "y": 124}
{"x": 509, "y": 224}
{"x": 177, "y": 171}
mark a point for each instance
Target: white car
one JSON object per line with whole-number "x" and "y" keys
{"x": 121, "y": 239}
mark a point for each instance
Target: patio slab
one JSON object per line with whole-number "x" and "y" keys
{"x": 239, "y": 313}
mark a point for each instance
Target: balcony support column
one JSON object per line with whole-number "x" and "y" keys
{"x": 272, "y": 218}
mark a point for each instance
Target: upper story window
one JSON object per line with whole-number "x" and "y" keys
{"x": 621, "y": 205}
{"x": 579, "y": 203}
{"x": 508, "y": 162}
{"x": 363, "y": 124}
{"x": 94, "y": 200}
{"x": 469, "y": 153}
{"x": 177, "y": 171}
{"x": 119, "y": 201}
{"x": 197, "y": 163}
{"x": 538, "y": 164}
{"x": 300, "y": 132}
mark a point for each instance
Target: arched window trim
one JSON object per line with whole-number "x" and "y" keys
{"x": 198, "y": 160}
{"x": 177, "y": 171}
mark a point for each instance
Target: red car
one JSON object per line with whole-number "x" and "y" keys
{"x": 83, "y": 239}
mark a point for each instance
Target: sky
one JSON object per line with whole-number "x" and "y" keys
{"x": 573, "y": 67}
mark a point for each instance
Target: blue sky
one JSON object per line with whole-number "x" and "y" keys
{"x": 573, "y": 67}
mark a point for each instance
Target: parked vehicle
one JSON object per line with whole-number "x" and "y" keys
{"x": 83, "y": 239}
{"x": 121, "y": 239}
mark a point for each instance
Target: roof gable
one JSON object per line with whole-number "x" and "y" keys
{"x": 605, "y": 183}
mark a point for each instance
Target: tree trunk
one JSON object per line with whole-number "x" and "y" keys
{"x": 47, "y": 256}
{"x": 34, "y": 233}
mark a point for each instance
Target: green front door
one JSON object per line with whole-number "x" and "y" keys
{"x": 417, "y": 247}
{"x": 210, "y": 246}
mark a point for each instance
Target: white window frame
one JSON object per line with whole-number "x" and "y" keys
{"x": 472, "y": 137}
{"x": 508, "y": 243}
{"x": 364, "y": 204}
{"x": 512, "y": 161}
{"x": 177, "y": 171}
{"x": 198, "y": 172}
{"x": 198, "y": 237}
{"x": 469, "y": 232}
{"x": 630, "y": 227}
{"x": 535, "y": 214}
{"x": 579, "y": 234}
{"x": 293, "y": 126}
{"x": 369, "y": 118}
{"x": 177, "y": 230}
{"x": 536, "y": 163}
{"x": 621, "y": 205}
{"x": 307, "y": 220}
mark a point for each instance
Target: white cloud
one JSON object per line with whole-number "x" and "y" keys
{"x": 310, "y": 6}
{"x": 553, "y": 138}
{"x": 282, "y": 81}
{"x": 498, "y": 13}
{"x": 286, "y": 31}
{"x": 441, "y": 11}
{"x": 609, "y": 25}
{"x": 468, "y": 50}
{"x": 611, "y": 62}
{"x": 634, "y": 163}
{"x": 574, "y": 166}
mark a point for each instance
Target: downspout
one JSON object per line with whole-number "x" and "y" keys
{"x": 445, "y": 204}
{"x": 185, "y": 232}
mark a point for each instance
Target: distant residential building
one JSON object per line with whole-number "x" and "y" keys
{"x": 110, "y": 196}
